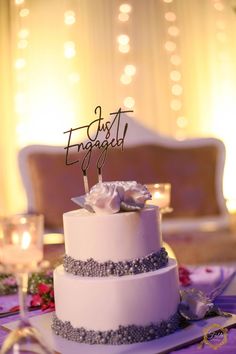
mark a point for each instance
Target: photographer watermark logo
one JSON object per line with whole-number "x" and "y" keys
{"x": 215, "y": 336}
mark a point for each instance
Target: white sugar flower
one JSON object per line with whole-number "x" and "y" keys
{"x": 103, "y": 198}
{"x": 112, "y": 197}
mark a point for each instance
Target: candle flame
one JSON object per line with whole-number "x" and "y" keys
{"x": 25, "y": 241}
{"x": 157, "y": 195}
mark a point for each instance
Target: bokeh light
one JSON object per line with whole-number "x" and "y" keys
{"x": 23, "y": 33}
{"x": 129, "y": 102}
{"x": 24, "y": 12}
{"x": 125, "y": 79}
{"x": 170, "y": 46}
{"x": 69, "y": 49}
{"x": 175, "y": 75}
{"x": 170, "y": 16}
{"x": 175, "y": 104}
{"x": 130, "y": 70}
{"x": 175, "y": 59}
{"x": 20, "y": 63}
{"x": 123, "y": 39}
{"x": 177, "y": 90}
{"x": 125, "y": 8}
{"x": 123, "y": 17}
{"x": 124, "y": 48}
{"x": 173, "y": 31}
{"x": 69, "y": 17}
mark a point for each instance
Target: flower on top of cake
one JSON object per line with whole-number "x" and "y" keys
{"x": 113, "y": 197}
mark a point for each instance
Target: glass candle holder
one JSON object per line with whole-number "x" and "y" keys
{"x": 161, "y": 196}
{"x": 22, "y": 242}
{"x": 21, "y": 253}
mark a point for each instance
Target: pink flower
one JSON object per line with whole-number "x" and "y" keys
{"x": 44, "y": 288}
{"x": 36, "y": 300}
{"x": 44, "y": 297}
{"x": 184, "y": 276}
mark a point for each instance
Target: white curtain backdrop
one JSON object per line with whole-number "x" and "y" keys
{"x": 54, "y": 75}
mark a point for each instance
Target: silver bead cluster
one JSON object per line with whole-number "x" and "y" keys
{"x": 122, "y": 335}
{"x": 92, "y": 268}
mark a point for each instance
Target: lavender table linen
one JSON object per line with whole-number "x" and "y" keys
{"x": 205, "y": 279}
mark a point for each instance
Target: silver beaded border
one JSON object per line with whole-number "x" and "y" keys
{"x": 122, "y": 335}
{"x": 92, "y": 268}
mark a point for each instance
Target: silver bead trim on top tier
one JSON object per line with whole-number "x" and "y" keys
{"x": 122, "y": 335}
{"x": 92, "y": 268}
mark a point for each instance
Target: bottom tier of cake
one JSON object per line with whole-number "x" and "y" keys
{"x": 110, "y": 307}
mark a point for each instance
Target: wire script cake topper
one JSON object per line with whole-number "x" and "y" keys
{"x": 94, "y": 130}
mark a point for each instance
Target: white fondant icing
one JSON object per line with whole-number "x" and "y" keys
{"x": 115, "y": 237}
{"x": 106, "y": 303}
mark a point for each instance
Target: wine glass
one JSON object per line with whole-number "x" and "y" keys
{"x": 20, "y": 253}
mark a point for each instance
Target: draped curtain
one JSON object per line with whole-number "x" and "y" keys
{"x": 183, "y": 83}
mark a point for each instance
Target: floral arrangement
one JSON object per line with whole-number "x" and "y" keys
{"x": 40, "y": 288}
{"x": 8, "y": 284}
{"x": 44, "y": 297}
{"x": 184, "y": 276}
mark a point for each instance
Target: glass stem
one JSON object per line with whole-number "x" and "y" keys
{"x": 22, "y": 279}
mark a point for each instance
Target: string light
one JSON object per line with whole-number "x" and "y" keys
{"x": 20, "y": 63}
{"x": 123, "y": 40}
{"x": 123, "y": 17}
{"x": 170, "y": 16}
{"x": 21, "y": 99}
{"x": 181, "y": 122}
{"x": 175, "y": 104}
{"x": 125, "y": 79}
{"x": 130, "y": 70}
{"x": 173, "y": 31}
{"x": 175, "y": 75}
{"x": 177, "y": 90}
{"x": 69, "y": 18}
{"x": 218, "y": 6}
{"x": 171, "y": 47}
{"x": 129, "y": 102}
{"x": 124, "y": 48}
{"x": 125, "y": 8}
{"x": 24, "y": 12}
{"x": 19, "y": 2}
{"x": 69, "y": 49}
{"x": 175, "y": 59}
{"x": 23, "y": 33}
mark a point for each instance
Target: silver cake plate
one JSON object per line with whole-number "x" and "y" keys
{"x": 189, "y": 335}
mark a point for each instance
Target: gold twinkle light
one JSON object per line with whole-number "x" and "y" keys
{"x": 69, "y": 49}
{"x": 130, "y": 70}
{"x": 129, "y": 102}
{"x": 69, "y": 17}
{"x": 125, "y": 8}
{"x": 125, "y": 79}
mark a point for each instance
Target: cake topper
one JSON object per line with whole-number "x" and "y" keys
{"x": 94, "y": 131}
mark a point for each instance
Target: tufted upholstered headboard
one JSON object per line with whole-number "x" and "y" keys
{"x": 194, "y": 167}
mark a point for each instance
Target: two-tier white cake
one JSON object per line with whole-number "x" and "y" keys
{"x": 117, "y": 284}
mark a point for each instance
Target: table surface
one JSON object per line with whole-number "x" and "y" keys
{"x": 11, "y": 300}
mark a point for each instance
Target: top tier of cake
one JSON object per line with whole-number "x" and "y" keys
{"x": 116, "y": 237}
